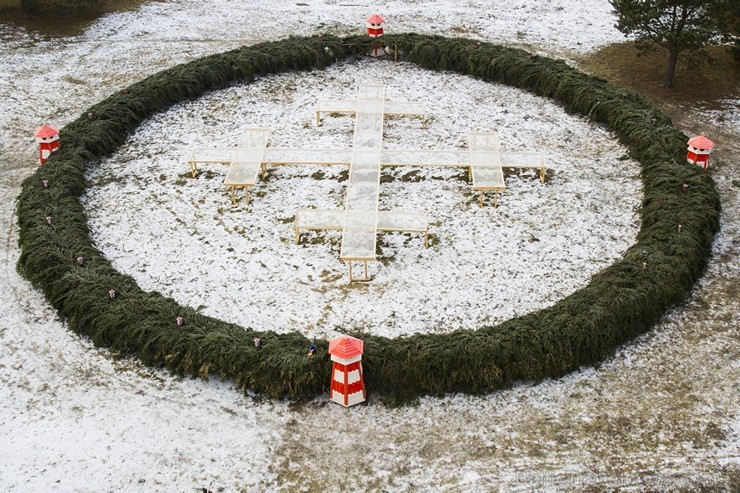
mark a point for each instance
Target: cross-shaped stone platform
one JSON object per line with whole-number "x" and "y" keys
{"x": 360, "y": 220}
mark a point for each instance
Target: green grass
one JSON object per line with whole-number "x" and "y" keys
{"x": 618, "y": 304}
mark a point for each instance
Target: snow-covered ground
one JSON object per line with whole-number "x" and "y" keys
{"x": 485, "y": 265}
{"x": 661, "y": 414}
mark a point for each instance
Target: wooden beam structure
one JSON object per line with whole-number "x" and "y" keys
{"x": 360, "y": 220}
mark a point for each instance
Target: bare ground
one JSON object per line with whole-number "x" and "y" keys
{"x": 660, "y": 415}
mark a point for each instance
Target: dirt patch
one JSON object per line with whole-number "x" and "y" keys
{"x": 56, "y": 18}
{"x": 698, "y": 82}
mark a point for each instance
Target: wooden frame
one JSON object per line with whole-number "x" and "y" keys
{"x": 338, "y": 225}
{"x": 360, "y": 221}
{"x": 352, "y": 278}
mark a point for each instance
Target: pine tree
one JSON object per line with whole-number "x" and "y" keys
{"x": 676, "y": 25}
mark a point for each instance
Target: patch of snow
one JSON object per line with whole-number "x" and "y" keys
{"x": 75, "y": 419}
{"x": 662, "y": 414}
{"x": 183, "y": 237}
{"x": 567, "y": 24}
{"x": 726, "y": 116}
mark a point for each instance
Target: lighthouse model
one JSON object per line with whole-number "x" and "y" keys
{"x": 48, "y": 140}
{"x": 374, "y": 30}
{"x": 698, "y": 151}
{"x": 375, "y": 26}
{"x": 347, "y": 383}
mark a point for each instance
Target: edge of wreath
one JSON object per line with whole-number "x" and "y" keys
{"x": 620, "y": 302}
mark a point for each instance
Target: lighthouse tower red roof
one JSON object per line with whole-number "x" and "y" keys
{"x": 701, "y": 142}
{"x": 345, "y": 347}
{"x": 375, "y": 19}
{"x": 46, "y": 131}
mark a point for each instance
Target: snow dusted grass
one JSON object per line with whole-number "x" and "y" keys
{"x": 184, "y": 238}
{"x": 726, "y": 118}
{"x": 584, "y": 25}
{"x": 661, "y": 415}
{"x": 116, "y": 422}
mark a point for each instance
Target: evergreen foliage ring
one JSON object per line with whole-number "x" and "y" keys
{"x": 621, "y": 302}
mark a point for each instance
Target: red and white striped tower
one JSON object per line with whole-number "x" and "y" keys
{"x": 347, "y": 383}
{"x": 698, "y": 151}
{"x": 48, "y": 140}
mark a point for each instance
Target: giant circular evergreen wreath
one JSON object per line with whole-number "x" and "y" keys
{"x": 620, "y": 302}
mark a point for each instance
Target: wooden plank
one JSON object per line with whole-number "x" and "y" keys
{"x": 522, "y": 159}
{"x": 319, "y": 219}
{"x": 431, "y": 157}
{"x": 275, "y": 155}
{"x": 322, "y": 219}
{"x": 242, "y": 174}
{"x": 488, "y": 178}
{"x": 336, "y": 106}
{"x": 403, "y": 221}
{"x": 411, "y": 108}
